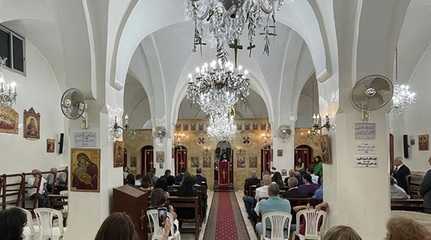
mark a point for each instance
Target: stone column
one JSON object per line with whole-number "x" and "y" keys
{"x": 287, "y": 147}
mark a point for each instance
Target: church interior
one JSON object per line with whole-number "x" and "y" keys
{"x": 215, "y": 119}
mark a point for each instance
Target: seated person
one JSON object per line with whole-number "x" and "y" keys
{"x": 167, "y": 180}
{"x": 117, "y": 226}
{"x": 341, "y": 232}
{"x": 138, "y": 180}
{"x": 273, "y": 204}
{"x": 277, "y": 178}
{"x": 318, "y": 194}
{"x": 130, "y": 180}
{"x": 262, "y": 192}
{"x": 37, "y": 188}
{"x": 318, "y": 168}
{"x": 186, "y": 188}
{"x": 308, "y": 188}
{"x": 153, "y": 177}
{"x": 200, "y": 180}
{"x": 397, "y": 192}
{"x": 293, "y": 190}
{"x": 291, "y": 174}
{"x": 179, "y": 177}
{"x": 250, "y": 181}
{"x": 146, "y": 182}
{"x": 50, "y": 180}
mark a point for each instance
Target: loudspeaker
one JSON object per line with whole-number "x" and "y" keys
{"x": 60, "y": 143}
{"x": 406, "y": 146}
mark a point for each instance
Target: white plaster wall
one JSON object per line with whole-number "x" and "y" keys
{"x": 38, "y": 89}
{"x": 416, "y": 120}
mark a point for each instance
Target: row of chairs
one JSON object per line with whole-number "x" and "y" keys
{"x": 280, "y": 225}
{"x": 13, "y": 189}
{"x": 44, "y": 228}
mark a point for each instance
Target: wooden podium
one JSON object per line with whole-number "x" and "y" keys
{"x": 134, "y": 202}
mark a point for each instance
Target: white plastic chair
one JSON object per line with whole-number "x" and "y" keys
{"x": 278, "y": 222}
{"x": 29, "y": 229}
{"x": 153, "y": 219}
{"x": 45, "y": 218}
{"x": 314, "y": 223}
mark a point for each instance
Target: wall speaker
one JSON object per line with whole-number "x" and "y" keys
{"x": 60, "y": 143}
{"x": 406, "y": 146}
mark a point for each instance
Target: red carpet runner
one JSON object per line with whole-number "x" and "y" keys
{"x": 225, "y": 224}
{"x": 225, "y": 221}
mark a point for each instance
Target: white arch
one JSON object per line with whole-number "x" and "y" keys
{"x": 298, "y": 15}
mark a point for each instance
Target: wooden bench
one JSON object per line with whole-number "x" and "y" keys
{"x": 415, "y": 205}
{"x": 188, "y": 203}
{"x": 12, "y": 190}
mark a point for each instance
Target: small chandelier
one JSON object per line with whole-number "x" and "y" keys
{"x": 225, "y": 21}
{"x": 217, "y": 87}
{"x": 221, "y": 127}
{"x": 402, "y": 97}
{"x": 7, "y": 90}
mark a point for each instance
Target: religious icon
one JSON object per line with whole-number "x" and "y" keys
{"x": 133, "y": 162}
{"x": 160, "y": 156}
{"x": 8, "y": 120}
{"x": 201, "y": 127}
{"x": 193, "y": 127}
{"x": 246, "y": 140}
{"x": 279, "y": 152}
{"x": 263, "y": 126}
{"x": 424, "y": 142}
{"x": 325, "y": 146}
{"x": 31, "y": 124}
{"x": 185, "y": 127}
{"x": 255, "y": 126}
{"x": 239, "y": 127}
{"x": 50, "y": 145}
{"x": 178, "y": 127}
{"x": 195, "y": 162}
{"x": 118, "y": 154}
{"x": 247, "y": 127}
{"x": 252, "y": 162}
{"x": 206, "y": 159}
{"x": 85, "y": 170}
{"x": 241, "y": 154}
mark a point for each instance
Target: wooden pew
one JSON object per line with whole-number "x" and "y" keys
{"x": 415, "y": 205}
{"x": 12, "y": 190}
{"x": 192, "y": 203}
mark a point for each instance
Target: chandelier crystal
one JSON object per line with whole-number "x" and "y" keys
{"x": 7, "y": 90}
{"x": 402, "y": 98}
{"x": 221, "y": 127}
{"x": 217, "y": 87}
{"x": 225, "y": 20}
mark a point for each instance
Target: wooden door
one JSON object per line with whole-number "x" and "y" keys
{"x": 180, "y": 159}
{"x": 265, "y": 161}
{"x": 147, "y": 160}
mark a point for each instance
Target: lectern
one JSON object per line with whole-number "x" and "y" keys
{"x": 134, "y": 202}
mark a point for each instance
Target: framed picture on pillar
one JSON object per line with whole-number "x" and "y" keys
{"x": 160, "y": 156}
{"x": 195, "y": 162}
{"x": 31, "y": 124}
{"x": 424, "y": 142}
{"x": 118, "y": 154}
{"x": 50, "y": 145}
{"x": 252, "y": 162}
{"x": 325, "y": 146}
{"x": 8, "y": 120}
{"x": 85, "y": 170}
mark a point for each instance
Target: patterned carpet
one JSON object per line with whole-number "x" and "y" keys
{"x": 225, "y": 221}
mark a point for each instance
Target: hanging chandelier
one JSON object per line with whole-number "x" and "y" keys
{"x": 217, "y": 87}
{"x": 221, "y": 127}
{"x": 7, "y": 90}
{"x": 403, "y": 96}
{"x": 225, "y": 21}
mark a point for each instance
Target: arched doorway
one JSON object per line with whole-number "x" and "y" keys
{"x": 223, "y": 170}
{"x": 147, "y": 159}
{"x": 303, "y": 157}
{"x": 265, "y": 160}
{"x": 180, "y": 159}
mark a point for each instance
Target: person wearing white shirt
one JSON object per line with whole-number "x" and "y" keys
{"x": 262, "y": 192}
{"x": 397, "y": 192}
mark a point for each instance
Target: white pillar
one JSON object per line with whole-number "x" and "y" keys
{"x": 87, "y": 210}
{"x": 358, "y": 197}
{"x": 287, "y": 146}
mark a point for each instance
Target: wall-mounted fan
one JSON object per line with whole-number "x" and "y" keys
{"x": 371, "y": 93}
{"x": 284, "y": 131}
{"x": 73, "y": 106}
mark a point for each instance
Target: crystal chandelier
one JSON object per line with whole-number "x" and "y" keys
{"x": 217, "y": 87}
{"x": 7, "y": 90}
{"x": 225, "y": 21}
{"x": 402, "y": 98}
{"x": 221, "y": 127}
